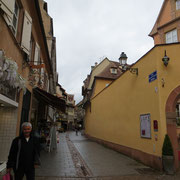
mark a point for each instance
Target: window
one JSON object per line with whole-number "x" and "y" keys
{"x": 26, "y": 33}
{"x": 178, "y": 114}
{"x": 15, "y": 18}
{"x": 114, "y": 70}
{"x": 45, "y": 7}
{"x": 37, "y": 55}
{"x": 177, "y": 4}
{"x": 171, "y": 36}
{"x": 32, "y": 48}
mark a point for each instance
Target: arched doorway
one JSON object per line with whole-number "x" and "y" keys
{"x": 173, "y": 123}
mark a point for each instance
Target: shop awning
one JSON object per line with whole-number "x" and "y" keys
{"x": 49, "y": 99}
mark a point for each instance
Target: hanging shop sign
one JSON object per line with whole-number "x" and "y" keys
{"x": 145, "y": 125}
{"x": 36, "y": 78}
{"x": 39, "y": 66}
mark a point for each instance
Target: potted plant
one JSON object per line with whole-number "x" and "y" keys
{"x": 167, "y": 156}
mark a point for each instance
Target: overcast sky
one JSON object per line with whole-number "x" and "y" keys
{"x": 89, "y": 30}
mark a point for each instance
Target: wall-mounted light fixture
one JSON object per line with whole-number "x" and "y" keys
{"x": 165, "y": 59}
{"x": 123, "y": 63}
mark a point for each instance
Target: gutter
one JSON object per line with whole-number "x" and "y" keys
{"x": 43, "y": 33}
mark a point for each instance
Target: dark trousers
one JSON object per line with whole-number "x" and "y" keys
{"x": 29, "y": 173}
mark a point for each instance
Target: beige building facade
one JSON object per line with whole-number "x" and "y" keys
{"x": 25, "y": 66}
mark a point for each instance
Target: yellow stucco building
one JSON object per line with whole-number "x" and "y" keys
{"x": 133, "y": 113}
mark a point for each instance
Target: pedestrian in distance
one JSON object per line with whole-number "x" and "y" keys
{"x": 24, "y": 154}
{"x": 76, "y": 131}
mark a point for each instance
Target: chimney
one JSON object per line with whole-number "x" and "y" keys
{"x": 96, "y": 64}
{"x": 92, "y": 67}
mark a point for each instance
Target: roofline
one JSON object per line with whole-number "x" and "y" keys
{"x": 79, "y": 103}
{"x": 93, "y": 69}
{"x": 152, "y": 49}
{"x": 114, "y": 61}
{"x": 96, "y": 77}
{"x": 98, "y": 65}
{"x": 172, "y": 21}
{"x": 162, "y": 6}
{"x": 164, "y": 25}
{"x": 136, "y": 63}
{"x": 43, "y": 33}
{"x": 108, "y": 78}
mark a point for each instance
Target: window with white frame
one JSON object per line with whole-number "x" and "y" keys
{"x": 15, "y": 18}
{"x": 171, "y": 36}
{"x": 114, "y": 70}
{"x": 177, "y": 4}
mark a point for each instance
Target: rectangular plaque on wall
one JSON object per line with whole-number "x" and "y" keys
{"x": 145, "y": 125}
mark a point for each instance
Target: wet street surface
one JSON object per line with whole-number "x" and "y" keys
{"x": 79, "y": 158}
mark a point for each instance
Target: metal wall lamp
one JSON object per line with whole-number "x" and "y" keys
{"x": 165, "y": 59}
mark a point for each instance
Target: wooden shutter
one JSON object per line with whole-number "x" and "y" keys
{"x": 26, "y": 35}
{"x": 8, "y": 7}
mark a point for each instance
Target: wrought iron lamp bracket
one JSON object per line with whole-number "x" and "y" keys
{"x": 133, "y": 70}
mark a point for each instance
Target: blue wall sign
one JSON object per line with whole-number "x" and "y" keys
{"x": 153, "y": 76}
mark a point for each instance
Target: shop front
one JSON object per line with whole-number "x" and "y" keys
{"x": 47, "y": 106}
{"x": 11, "y": 85}
{"x": 8, "y": 123}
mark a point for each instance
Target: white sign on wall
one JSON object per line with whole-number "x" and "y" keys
{"x": 145, "y": 125}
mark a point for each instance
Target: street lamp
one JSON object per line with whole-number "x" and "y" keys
{"x": 123, "y": 63}
{"x": 123, "y": 59}
{"x": 165, "y": 59}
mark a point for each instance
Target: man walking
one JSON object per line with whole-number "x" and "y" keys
{"x": 24, "y": 154}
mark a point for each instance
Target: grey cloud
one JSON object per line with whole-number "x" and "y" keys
{"x": 87, "y": 30}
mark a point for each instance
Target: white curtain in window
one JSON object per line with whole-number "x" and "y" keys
{"x": 171, "y": 36}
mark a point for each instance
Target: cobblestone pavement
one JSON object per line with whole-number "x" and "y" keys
{"x": 78, "y": 158}
{"x": 57, "y": 163}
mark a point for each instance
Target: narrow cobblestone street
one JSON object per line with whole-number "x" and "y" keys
{"x": 79, "y": 158}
